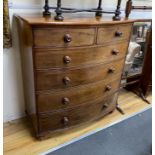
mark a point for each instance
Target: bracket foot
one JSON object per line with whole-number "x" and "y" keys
{"x": 143, "y": 97}
{"x": 119, "y": 109}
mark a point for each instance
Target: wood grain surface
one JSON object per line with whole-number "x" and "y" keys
{"x": 56, "y": 58}
{"x": 19, "y": 139}
{"x": 53, "y": 87}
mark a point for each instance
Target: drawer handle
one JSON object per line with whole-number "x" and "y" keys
{"x": 67, "y": 59}
{"x": 66, "y": 80}
{"x": 67, "y": 38}
{"x": 65, "y": 101}
{"x": 118, "y": 34}
{"x": 115, "y": 52}
{"x": 65, "y": 120}
{"x": 108, "y": 88}
{"x": 105, "y": 106}
{"x": 111, "y": 70}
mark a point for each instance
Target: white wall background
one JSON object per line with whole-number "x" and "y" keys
{"x": 13, "y": 89}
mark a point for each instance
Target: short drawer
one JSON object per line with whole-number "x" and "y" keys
{"x": 46, "y": 59}
{"x": 64, "y": 37}
{"x": 61, "y": 79}
{"x": 113, "y": 33}
{"x": 56, "y": 100}
{"x": 76, "y": 116}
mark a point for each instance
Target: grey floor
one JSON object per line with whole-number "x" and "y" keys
{"x": 130, "y": 137}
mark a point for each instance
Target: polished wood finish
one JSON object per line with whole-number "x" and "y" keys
{"x": 146, "y": 79}
{"x": 63, "y": 37}
{"x": 47, "y": 58}
{"x": 75, "y": 66}
{"x": 141, "y": 84}
{"x": 65, "y": 78}
{"x": 50, "y": 101}
{"x": 26, "y": 39}
{"x": 18, "y": 139}
{"x": 128, "y": 8}
{"x": 84, "y": 19}
{"x": 72, "y": 117}
{"x": 113, "y": 33}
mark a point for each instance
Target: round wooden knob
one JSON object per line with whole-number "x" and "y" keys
{"x": 118, "y": 34}
{"x": 67, "y": 38}
{"x": 115, "y": 52}
{"x": 67, "y": 59}
{"x": 108, "y": 88}
{"x": 65, "y": 101}
{"x": 105, "y": 106}
{"x": 65, "y": 120}
{"x": 111, "y": 70}
{"x": 66, "y": 80}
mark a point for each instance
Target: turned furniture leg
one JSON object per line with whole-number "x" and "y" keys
{"x": 119, "y": 109}
{"x": 128, "y": 8}
{"x": 143, "y": 97}
{"x": 46, "y": 9}
{"x": 140, "y": 94}
{"x": 99, "y": 9}
{"x": 59, "y": 11}
{"x": 117, "y": 12}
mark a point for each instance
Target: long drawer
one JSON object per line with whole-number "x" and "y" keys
{"x": 64, "y": 78}
{"x": 113, "y": 33}
{"x": 56, "y": 100}
{"x": 63, "y": 37}
{"x": 45, "y": 58}
{"x": 72, "y": 117}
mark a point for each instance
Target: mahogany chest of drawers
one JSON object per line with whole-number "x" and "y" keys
{"x": 71, "y": 69}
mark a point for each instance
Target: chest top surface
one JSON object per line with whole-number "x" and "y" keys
{"x": 76, "y": 19}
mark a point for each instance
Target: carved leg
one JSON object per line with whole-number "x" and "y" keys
{"x": 59, "y": 11}
{"x": 99, "y": 9}
{"x": 117, "y": 12}
{"x": 140, "y": 94}
{"x": 46, "y": 9}
{"x": 143, "y": 97}
{"x": 128, "y": 8}
{"x": 119, "y": 109}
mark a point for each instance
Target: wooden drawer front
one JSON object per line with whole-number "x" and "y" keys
{"x": 69, "y": 118}
{"x": 75, "y": 96}
{"x": 64, "y": 37}
{"x": 45, "y": 59}
{"x": 48, "y": 80}
{"x": 113, "y": 33}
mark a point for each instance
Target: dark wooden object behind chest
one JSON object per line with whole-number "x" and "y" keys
{"x": 143, "y": 85}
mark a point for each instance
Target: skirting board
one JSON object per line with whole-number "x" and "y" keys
{"x": 11, "y": 117}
